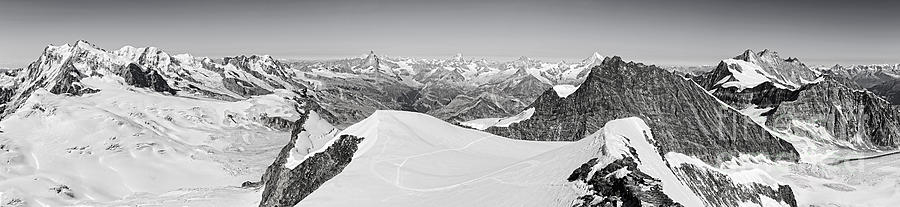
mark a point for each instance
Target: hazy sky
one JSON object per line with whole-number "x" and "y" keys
{"x": 653, "y": 31}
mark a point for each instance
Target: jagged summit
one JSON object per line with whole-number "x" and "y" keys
{"x": 611, "y": 91}
{"x": 680, "y": 114}
{"x": 594, "y": 58}
{"x": 458, "y": 57}
{"x": 749, "y": 70}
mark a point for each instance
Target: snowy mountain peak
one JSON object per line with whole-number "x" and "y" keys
{"x": 748, "y": 55}
{"x": 82, "y": 44}
{"x": 769, "y": 55}
{"x": 372, "y": 58}
{"x": 458, "y": 57}
{"x": 594, "y": 59}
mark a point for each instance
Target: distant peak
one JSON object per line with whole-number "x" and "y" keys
{"x": 371, "y": 55}
{"x": 458, "y": 57}
{"x": 748, "y": 52}
{"x": 614, "y": 60}
{"x": 748, "y": 55}
{"x": 594, "y": 58}
{"x": 767, "y": 52}
{"x": 82, "y": 42}
{"x": 524, "y": 58}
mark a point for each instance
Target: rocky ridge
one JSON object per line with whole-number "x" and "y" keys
{"x": 687, "y": 119}
{"x": 290, "y": 178}
{"x": 803, "y": 103}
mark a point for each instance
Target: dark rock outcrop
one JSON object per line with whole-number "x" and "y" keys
{"x": 69, "y": 82}
{"x": 137, "y": 76}
{"x": 720, "y": 190}
{"x": 277, "y": 123}
{"x": 783, "y": 79}
{"x": 789, "y": 72}
{"x": 850, "y": 115}
{"x": 847, "y": 112}
{"x": 766, "y": 94}
{"x": 684, "y": 117}
{"x": 635, "y": 188}
{"x": 287, "y": 187}
{"x": 889, "y": 89}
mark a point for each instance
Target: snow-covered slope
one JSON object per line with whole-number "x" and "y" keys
{"x": 749, "y": 70}
{"x": 411, "y": 159}
{"x": 124, "y": 141}
{"x": 484, "y": 123}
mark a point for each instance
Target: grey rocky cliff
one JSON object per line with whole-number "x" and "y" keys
{"x": 634, "y": 189}
{"x": 883, "y": 80}
{"x": 284, "y": 186}
{"x": 789, "y": 72}
{"x": 766, "y": 94}
{"x": 684, "y": 117}
{"x": 784, "y": 78}
{"x": 717, "y": 189}
{"x": 850, "y": 114}
{"x": 287, "y": 187}
{"x": 137, "y": 76}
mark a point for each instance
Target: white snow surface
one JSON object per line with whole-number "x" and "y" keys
{"x": 564, "y": 90}
{"x": 746, "y": 74}
{"x": 632, "y": 132}
{"x": 318, "y": 134}
{"x": 485, "y": 123}
{"x": 412, "y": 159}
{"x": 124, "y": 142}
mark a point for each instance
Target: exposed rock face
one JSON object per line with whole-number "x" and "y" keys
{"x": 59, "y": 69}
{"x": 498, "y": 98}
{"x": 889, "y": 89}
{"x": 455, "y": 89}
{"x": 243, "y": 88}
{"x": 765, "y": 94}
{"x": 277, "y": 123}
{"x": 883, "y": 80}
{"x": 69, "y": 82}
{"x": 290, "y": 179}
{"x": 352, "y": 99}
{"x": 847, "y": 115}
{"x": 720, "y": 190}
{"x": 684, "y": 117}
{"x": 628, "y": 170}
{"x": 635, "y": 188}
{"x": 762, "y": 96}
{"x": 867, "y": 76}
{"x": 852, "y": 116}
{"x": 789, "y": 72}
{"x": 137, "y": 76}
{"x": 286, "y": 187}
{"x": 756, "y": 79}
{"x": 486, "y": 104}
{"x": 287, "y": 182}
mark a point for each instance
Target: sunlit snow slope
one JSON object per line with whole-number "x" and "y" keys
{"x": 411, "y": 159}
{"x": 125, "y": 142}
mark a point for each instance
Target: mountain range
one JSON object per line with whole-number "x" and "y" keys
{"x": 82, "y": 125}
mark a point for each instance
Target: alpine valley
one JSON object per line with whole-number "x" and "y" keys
{"x": 136, "y": 126}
